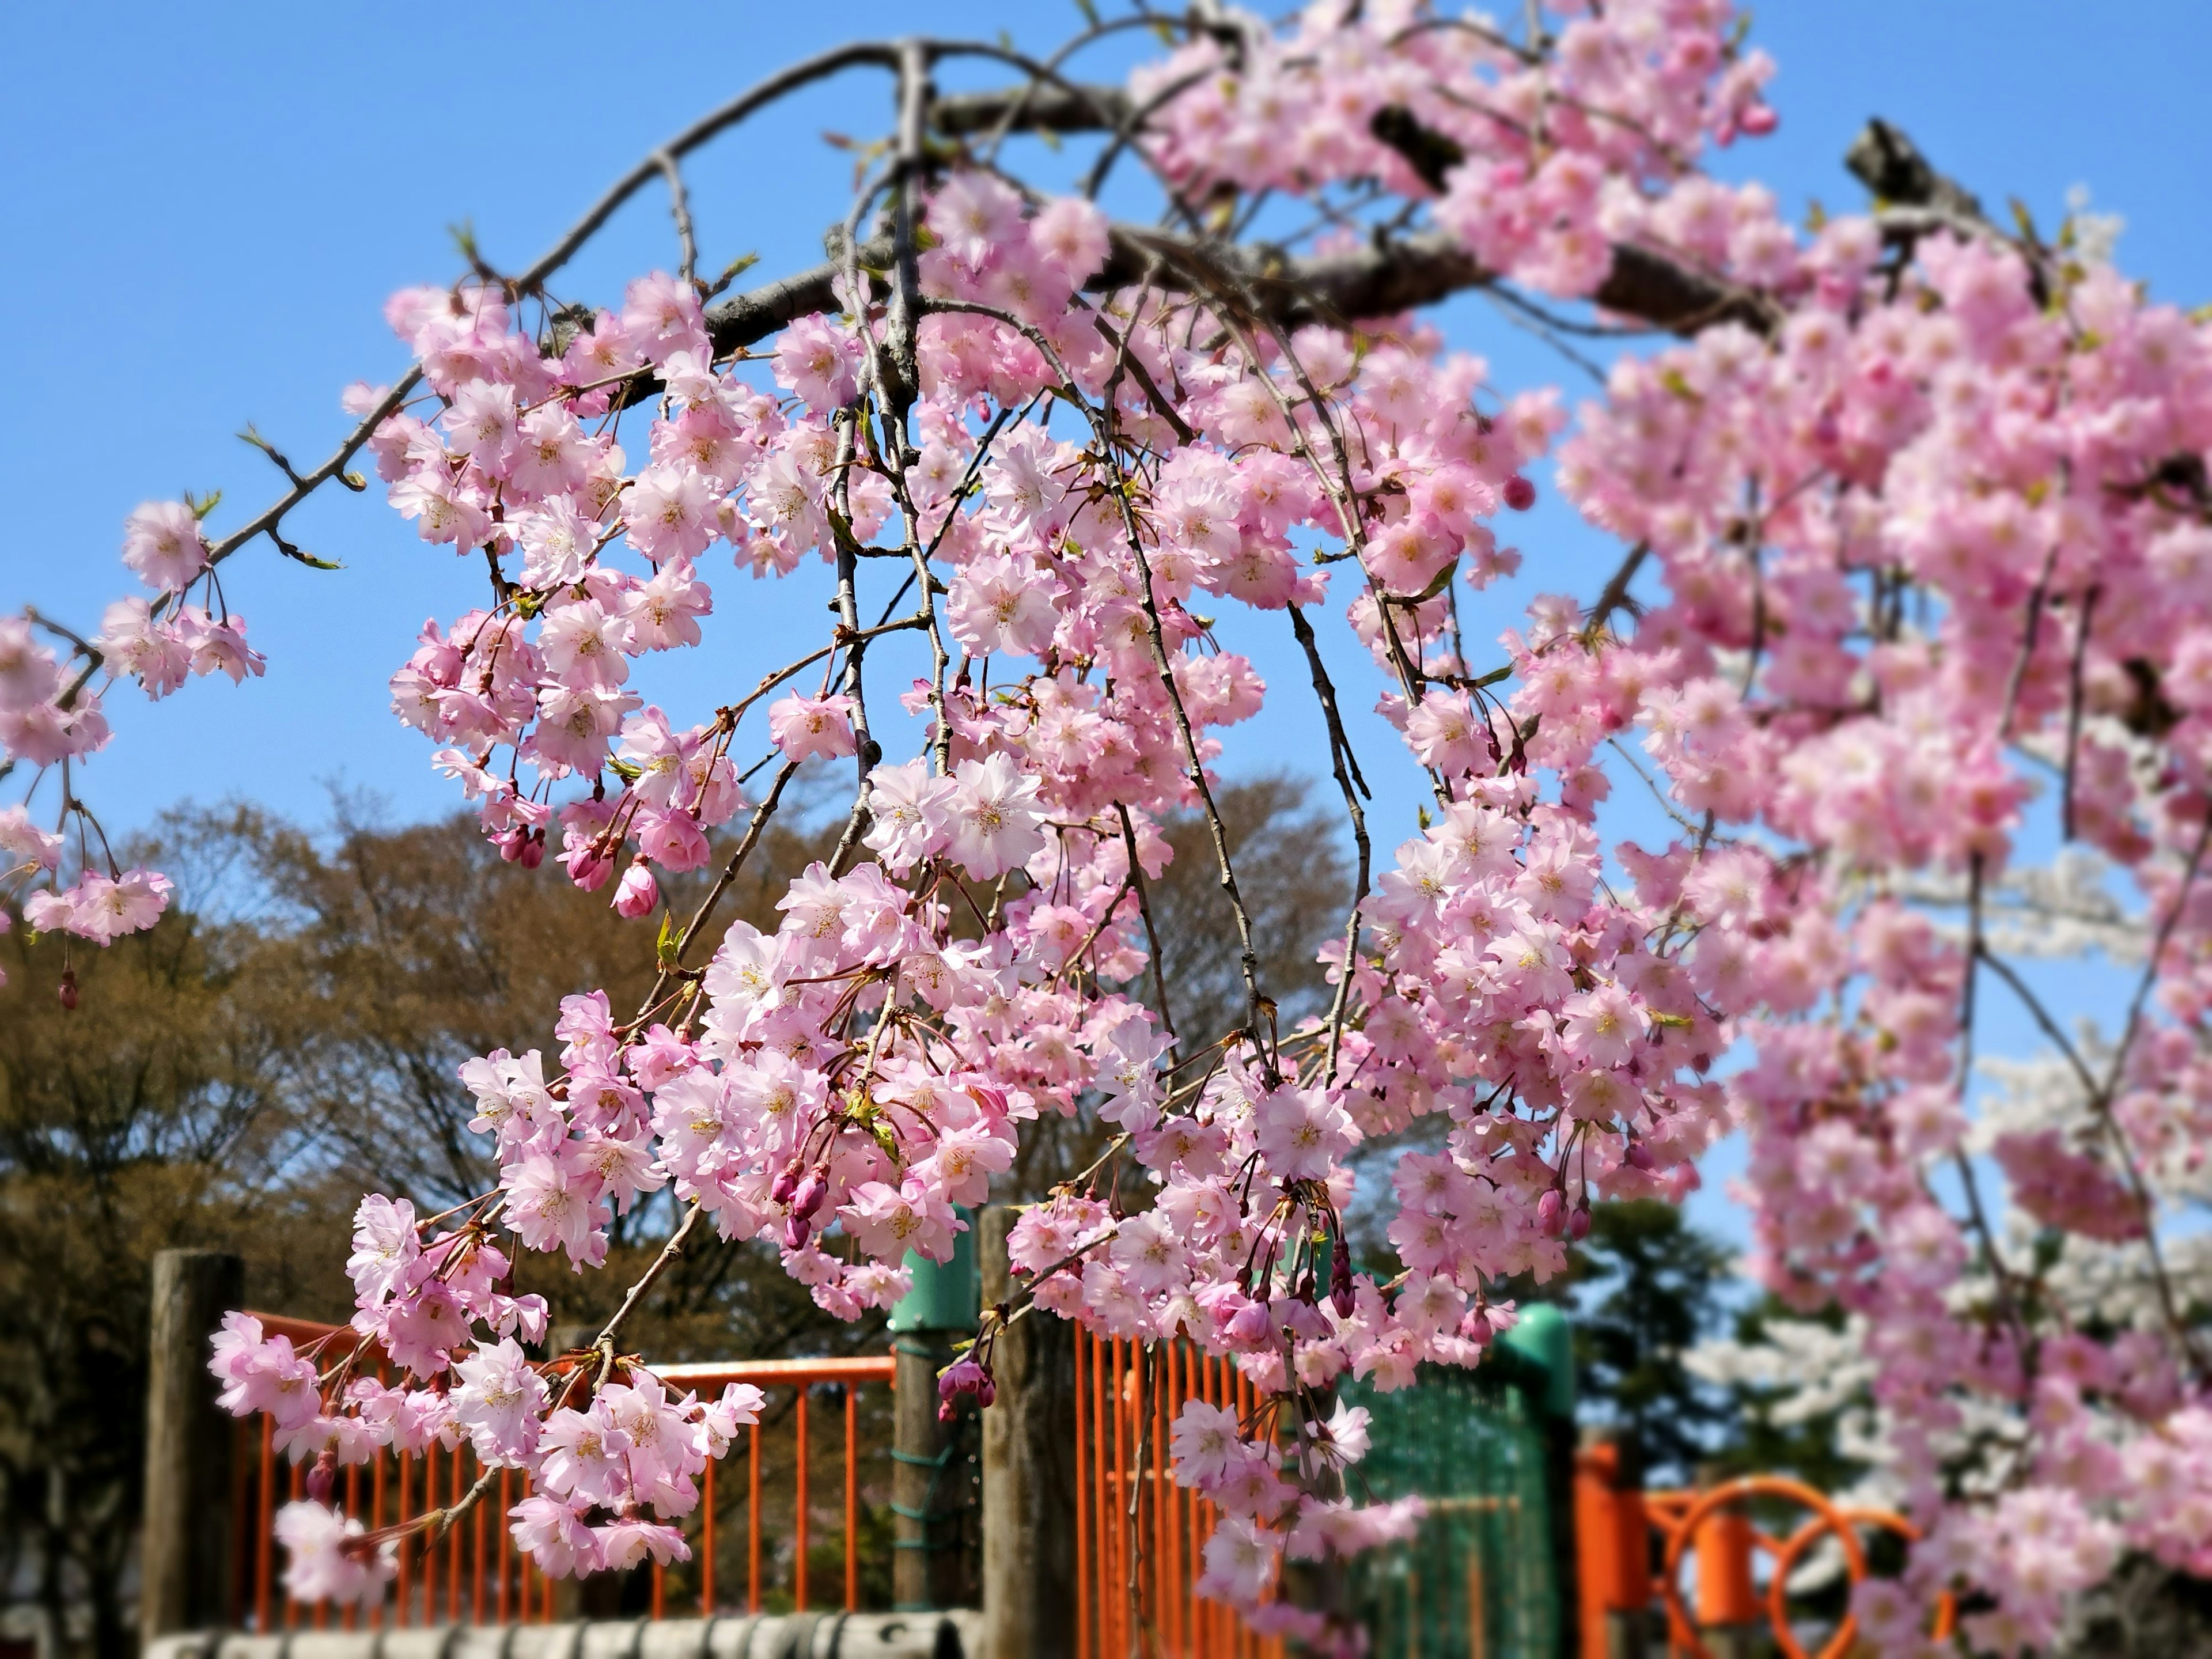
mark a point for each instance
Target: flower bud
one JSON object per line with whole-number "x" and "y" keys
{"x": 1551, "y": 1214}
{"x": 637, "y": 893}
{"x": 796, "y": 1232}
{"x": 514, "y": 844}
{"x": 1520, "y": 494}
{"x": 68, "y": 990}
{"x": 1578, "y": 1222}
{"x": 588, "y": 867}
{"x": 787, "y": 1183}
{"x": 533, "y": 850}
{"x": 1637, "y": 1155}
{"x": 1339, "y": 1279}
{"x": 808, "y": 1199}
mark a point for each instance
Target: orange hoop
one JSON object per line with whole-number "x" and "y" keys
{"x": 1679, "y": 1516}
{"x": 1785, "y": 1561}
{"x": 1680, "y": 1631}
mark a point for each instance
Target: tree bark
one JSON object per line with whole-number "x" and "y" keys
{"x": 185, "y": 1548}
{"x": 1029, "y": 1471}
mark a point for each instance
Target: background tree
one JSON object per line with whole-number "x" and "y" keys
{"x": 231, "y": 1081}
{"x": 1644, "y": 1287}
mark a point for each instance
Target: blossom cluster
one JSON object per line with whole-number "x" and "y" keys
{"x": 1917, "y": 517}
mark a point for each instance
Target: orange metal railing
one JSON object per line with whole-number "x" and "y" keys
{"x": 1140, "y": 1538}
{"x": 474, "y": 1574}
{"x": 1614, "y": 1526}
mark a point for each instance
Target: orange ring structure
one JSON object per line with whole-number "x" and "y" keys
{"x": 1687, "y": 1520}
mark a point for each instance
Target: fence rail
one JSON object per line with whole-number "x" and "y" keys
{"x": 475, "y": 1574}
{"x": 1140, "y": 1539}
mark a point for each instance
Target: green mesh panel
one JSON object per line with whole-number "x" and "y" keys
{"x": 1476, "y": 1582}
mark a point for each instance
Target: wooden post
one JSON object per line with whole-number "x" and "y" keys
{"x": 1030, "y": 1492}
{"x": 185, "y": 1548}
{"x": 926, "y": 1568}
{"x": 934, "y": 1472}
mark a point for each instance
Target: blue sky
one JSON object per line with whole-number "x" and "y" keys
{"x": 210, "y": 205}
{"x": 207, "y": 207}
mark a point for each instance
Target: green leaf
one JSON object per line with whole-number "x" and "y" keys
{"x": 663, "y": 947}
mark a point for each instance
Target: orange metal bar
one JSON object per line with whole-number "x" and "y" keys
{"x": 772, "y": 1373}
{"x": 1118, "y": 1589}
{"x": 1167, "y": 1398}
{"x": 404, "y": 1612}
{"x": 477, "y": 1574}
{"x": 454, "y": 1548}
{"x": 1178, "y": 1581}
{"x": 352, "y": 1507}
{"x": 264, "y": 1536}
{"x": 292, "y": 1607}
{"x": 852, "y": 1497}
{"x": 525, "y": 1570}
{"x": 752, "y": 1531}
{"x": 798, "y": 1514}
{"x": 476, "y": 1570}
{"x": 1598, "y": 1543}
{"x": 707, "y": 1543}
{"x": 430, "y": 1547}
{"x": 1725, "y": 1595}
{"x": 1083, "y": 1649}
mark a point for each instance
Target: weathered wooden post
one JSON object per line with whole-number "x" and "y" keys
{"x": 184, "y": 1547}
{"x": 1028, "y": 1473}
{"x": 931, "y": 1474}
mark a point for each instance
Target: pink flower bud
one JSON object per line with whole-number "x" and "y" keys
{"x": 1758, "y": 120}
{"x": 1578, "y": 1223}
{"x": 808, "y": 1199}
{"x": 1551, "y": 1218}
{"x": 1520, "y": 494}
{"x": 588, "y": 868}
{"x": 637, "y": 893}
{"x": 787, "y": 1183}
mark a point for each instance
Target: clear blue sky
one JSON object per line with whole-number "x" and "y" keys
{"x": 207, "y": 207}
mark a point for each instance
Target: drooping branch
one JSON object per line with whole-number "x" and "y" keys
{"x": 1292, "y": 290}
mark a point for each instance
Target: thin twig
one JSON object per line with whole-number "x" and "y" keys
{"x": 680, "y": 208}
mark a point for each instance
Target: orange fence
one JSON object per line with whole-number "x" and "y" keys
{"x": 474, "y": 1574}
{"x": 1614, "y": 1526}
{"x": 1140, "y": 1538}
